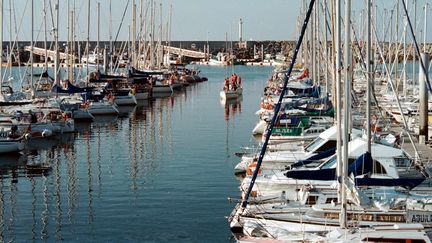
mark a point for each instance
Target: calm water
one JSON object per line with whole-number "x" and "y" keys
{"x": 161, "y": 172}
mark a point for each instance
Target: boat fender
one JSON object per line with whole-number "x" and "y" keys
{"x": 46, "y": 133}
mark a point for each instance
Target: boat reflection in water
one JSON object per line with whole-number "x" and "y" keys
{"x": 146, "y": 168}
{"x": 231, "y": 106}
{"x": 64, "y": 180}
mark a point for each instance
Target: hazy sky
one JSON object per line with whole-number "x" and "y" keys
{"x": 191, "y": 19}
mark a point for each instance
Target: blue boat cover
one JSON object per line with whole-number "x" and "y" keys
{"x": 313, "y": 158}
{"x": 360, "y": 166}
{"x": 71, "y": 89}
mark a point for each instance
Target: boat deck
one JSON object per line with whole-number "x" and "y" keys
{"x": 424, "y": 150}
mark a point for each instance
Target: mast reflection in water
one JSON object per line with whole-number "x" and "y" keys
{"x": 159, "y": 172}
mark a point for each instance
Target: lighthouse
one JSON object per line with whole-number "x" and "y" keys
{"x": 241, "y": 43}
{"x": 241, "y": 30}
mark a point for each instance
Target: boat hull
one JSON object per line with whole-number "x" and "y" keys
{"x": 231, "y": 94}
{"x": 82, "y": 115}
{"x": 102, "y": 109}
{"x": 142, "y": 95}
{"x": 125, "y": 100}
{"x": 11, "y": 146}
{"x": 167, "y": 89}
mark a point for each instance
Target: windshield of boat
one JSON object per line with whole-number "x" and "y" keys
{"x": 329, "y": 163}
{"x": 314, "y": 144}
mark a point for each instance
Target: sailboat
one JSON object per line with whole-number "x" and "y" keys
{"x": 233, "y": 89}
{"x": 313, "y": 211}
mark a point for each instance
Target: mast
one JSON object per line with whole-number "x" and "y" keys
{"x": 390, "y": 44}
{"x": 56, "y": 61}
{"x": 110, "y": 38}
{"x": 145, "y": 35}
{"x": 45, "y": 34}
{"x": 405, "y": 55}
{"x": 160, "y": 38}
{"x": 326, "y": 76}
{"x": 396, "y": 49}
{"x": 278, "y": 105}
{"x": 335, "y": 46}
{"x": 152, "y": 31}
{"x": 9, "y": 49}
{"x": 31, "y": 51}
{"x": 140, "y": 32}
{"x": 98, "y": 37}
{"x": 313, "y": 49}
{"x": 415, "y": 32}
{"x": 425, "y": 26}
{"x": 369, "y": 77}
{"x": 338, "y": 94}
{"x": 347, "y": 107}
{"x": 88, "y": 42}
{"x": 134, "y": 30}
{"x": 72, "y": 51}
{"x": 317, "y": 43}
{"x": 68, "y": 40}
{"x": 169, "y": 34}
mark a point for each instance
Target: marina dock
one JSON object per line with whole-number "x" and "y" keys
{"x": 135, "y": 121}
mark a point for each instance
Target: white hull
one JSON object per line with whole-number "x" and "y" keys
{"x": 102, "y": 108}
{"x": 142, "y": 96}
{"x": 125, "y": 100}
{"x": 231, "y": 94}
{"x": 283, "y": 139}
{"x": 274, "y": 230}
{"x": 82, "y": 115}
{"x": 214, "y": 62}
{"x": 44, "y": 129}
{"x": 162, "y": 89}
{"x": 260, "y": 128}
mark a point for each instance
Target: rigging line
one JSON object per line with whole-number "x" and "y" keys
{"x": 278, "y": 105}
{"x": 121, "y": 23}
{"x": 390, "y": 81}
{"x": 362, "y": 61}
{"x": 416, "y": 46}
{"x": 327, "y": 24}
{"x": 16, "y": 38}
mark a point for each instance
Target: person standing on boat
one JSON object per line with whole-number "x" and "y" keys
{"x": 33, "y": 117}
{"x": 234, "y": 81}
{"x": 226, "y": 84}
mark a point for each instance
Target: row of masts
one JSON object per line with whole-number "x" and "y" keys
{"x": 390, "y": 32}
{"x": 144, "y": 47}
{"x": 341, "y": 67}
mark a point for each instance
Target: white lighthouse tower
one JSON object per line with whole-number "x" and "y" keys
{"x": 241, "y": 43}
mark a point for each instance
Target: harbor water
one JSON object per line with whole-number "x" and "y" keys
{"x": 161, "y": 172}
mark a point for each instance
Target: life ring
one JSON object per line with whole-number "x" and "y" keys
{"x": 251, "y": 168}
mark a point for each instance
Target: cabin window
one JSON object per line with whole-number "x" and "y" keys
{"x": 331, "y": 199}
{"x": 310, "y": 147}
{"x": 328, "y": 145}
{"x": 329, "y": 163}
{"x": 402, "y": 161}
{"x": 311, "y": 200}
{"x": 378, "y": 168}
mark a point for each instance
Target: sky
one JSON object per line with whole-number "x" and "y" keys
{"x": 191, "y": 19}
